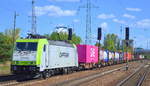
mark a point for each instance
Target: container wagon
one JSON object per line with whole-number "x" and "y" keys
{"x": 121, "y": 57}
{"x": 87, "y": 56}
{"x": 127, "y": 56}
{"x": 110, "y": 54}
{"x": 103, "y": 57}
{"x": 116, "y": 58}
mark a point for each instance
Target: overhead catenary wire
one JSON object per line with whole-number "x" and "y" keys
{"x": 88, "y": 6}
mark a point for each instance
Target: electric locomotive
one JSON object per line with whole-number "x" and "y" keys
{"x": 43, "y": 57}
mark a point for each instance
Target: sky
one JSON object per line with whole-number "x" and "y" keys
{"x": 112, "y": 15}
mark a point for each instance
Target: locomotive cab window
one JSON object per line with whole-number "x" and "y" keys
{"x": 26, "y": 46}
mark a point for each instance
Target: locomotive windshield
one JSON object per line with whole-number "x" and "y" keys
{"x": 26, "y": 46}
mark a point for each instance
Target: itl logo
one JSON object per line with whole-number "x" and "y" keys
{"x": 63, "y": 54}
{"x": 92, "y": 50}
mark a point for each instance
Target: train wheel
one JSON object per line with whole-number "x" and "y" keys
{"x": 70, "y": 70}
{"x": 46, "y": 74}
{"x": 65, "y": 71}
{"x": 52, "y": 73}
{"x": 99, "y": 65}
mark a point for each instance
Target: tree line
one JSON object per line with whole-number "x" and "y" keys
{"x": 113, "y": 43}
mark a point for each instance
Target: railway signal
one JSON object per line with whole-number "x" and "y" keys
{"x": 70, "y": 34}
{"x": 127, "y": 33}
{"x": 127, "y": 44}
{"x": 99, "y": 33}
{"x": 99, "y": 36}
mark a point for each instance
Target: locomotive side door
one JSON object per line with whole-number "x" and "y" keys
{"x": 45, "y": 55}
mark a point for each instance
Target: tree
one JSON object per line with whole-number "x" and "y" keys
{"x": 130, "y": 45}
{"x": 6, "y": 43}
{"x": 75, "y": 39}
{"x": 99, "y": 45}
{"x": 111, "y": 42}
{"x": 64, "y": 37}
{"x": 12, "y": 35}
{"x": 5, "y": 47}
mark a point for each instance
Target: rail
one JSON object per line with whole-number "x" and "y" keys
{"x": 136, "y": 78}
{"x": 78, "y": 81}
{"x": 141, "y": 80}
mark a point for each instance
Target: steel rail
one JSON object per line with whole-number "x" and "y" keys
{"x": 130, "y": 76}
{"x": 78, "y": 81}
{"x": 136, "y": 72}
{"x": 141, "y": 80}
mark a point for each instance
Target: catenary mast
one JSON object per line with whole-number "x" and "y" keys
{"x": 88, "y": 22}
{"x": 33, "y": 26}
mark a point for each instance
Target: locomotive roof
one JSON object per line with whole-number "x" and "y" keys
{"x": 60, "y": 43}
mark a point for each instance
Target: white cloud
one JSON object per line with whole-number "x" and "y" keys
{"x": 65, "y": 0}
{"x": 105, "y": 16}
{"x": 52, "y": 10}
{"x": 129, "y": 16}
{"x": 61, "y": 30}
{"x": 145, "y": 23}
{"x": 134, "y": 9}
{"x": 76, "y": 20}
{"x": 119, "y": 21}
{"x": 104, "y": 25}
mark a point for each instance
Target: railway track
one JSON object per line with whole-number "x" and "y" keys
{"x": 137, "y": 77}
{"x": 8, "y": 83}
{"x": 82, "y": 80}
{"x": 141, "y": 80}
{"x": 12, "y": 80}
{"x": 74, "y": 81}
{"x": 7, "y": 78}
{"x": 78, "y": 81}
{"x": 23, "y": 81}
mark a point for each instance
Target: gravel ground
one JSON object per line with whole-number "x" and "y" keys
{"x": 107, "y": 80}
{"x": 113, "y": 78}
{"x": 147, "y": 80}
{"x": 5, "y": 68}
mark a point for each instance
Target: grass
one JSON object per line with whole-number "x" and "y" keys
{"x": 5, "y": 68}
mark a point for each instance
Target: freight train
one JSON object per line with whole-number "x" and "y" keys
{"x": 47, "y": 57}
